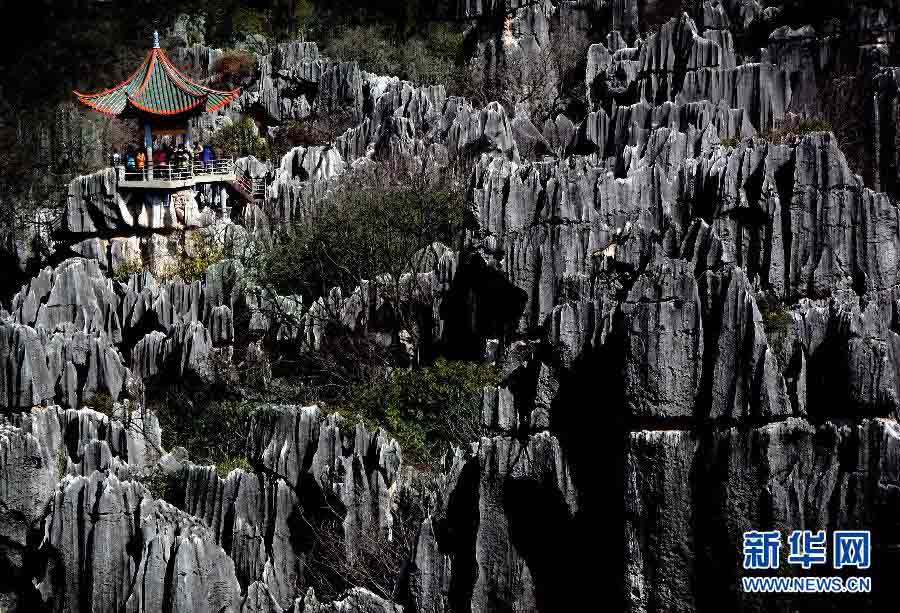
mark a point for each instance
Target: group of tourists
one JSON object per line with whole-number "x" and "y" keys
{"x": 165, "y": 157}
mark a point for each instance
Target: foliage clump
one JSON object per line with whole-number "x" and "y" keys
{"x": 214, "y": 432}
{"x": 241, "y": 139}
{"x": 375, "y": 223}
{"x": 378, "y": 225}
{"x": 199, "y": 253}
{"x": 232, "y": 68}
{"x": 426, "y": 409}
{"x": 322, "y": 127}
{"x": 228, "y": 464}
{"x": 786, "y": 131}
{"x": 161, "y": 486}
{"x": 777, "y": 322}
{"x": 127, "y": 268}
{"x": 426, "y": 59}
{"x": 103, "y": 403}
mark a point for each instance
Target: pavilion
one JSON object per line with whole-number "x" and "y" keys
{"x": 164, "y": 101}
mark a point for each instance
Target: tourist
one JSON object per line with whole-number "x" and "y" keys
{"x": 196, "y": 154}
{"x": 159, "y": 157}
{"x": 180, "y": 158}
{"x": 115, "y": 158}
{"x": 140, "y": 160}
{"x": 208, "y": 156}
{"x": 129, "y": 160}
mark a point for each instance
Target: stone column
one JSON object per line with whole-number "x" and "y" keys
{"x": 148, "y": 145}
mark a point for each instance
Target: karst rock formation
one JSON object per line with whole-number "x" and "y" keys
{"x": 697, "y": 326}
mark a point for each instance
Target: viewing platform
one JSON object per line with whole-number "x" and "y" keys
{"x": 174, "y": 176}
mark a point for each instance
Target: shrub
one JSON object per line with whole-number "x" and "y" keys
{"x": 102, "y": 402}
{"x": 379, "y": 223}
{"x": 228, "y": 464}
{"x": 161, "y": 486}
{"x": 241, "y": 139}
{"x": 213, "y": 432}
{"x": 425, "y": 59}
{"x": 426, "y": 409}
{"x": 777, "y": 322}
{"x": 366, "y": 45}
{"x": 422, "y": 63}
{"x": 232, "y": 68}
{"x": 199, "y": 253}
{"x": 127, "y": 268}
{"x": 321, "y": 128}
{"x": 791, "y": 128}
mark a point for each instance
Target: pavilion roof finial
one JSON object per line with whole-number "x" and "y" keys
{"x": 155, "y": 39}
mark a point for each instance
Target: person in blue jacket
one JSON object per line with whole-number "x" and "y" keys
{"x": 207, "y": 156}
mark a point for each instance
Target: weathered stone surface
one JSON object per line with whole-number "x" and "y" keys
{"x": 663, "y": 341}
{"x": 24, "y": 378}
{"x": 307, "y": 458}
{"x": 486, "y": 497}
{"x": 114, "y": 548}
{"x": 744, "y": 378}
{"x": 356, "y": 599}
{"x": 180, "y": 565}
{"x": 698, "y": 493}
{"x": 341, "y": 463}
{"x": 691, "y": 292}
{"x": 95, "y": 205}
{"x": 29, "y": 470}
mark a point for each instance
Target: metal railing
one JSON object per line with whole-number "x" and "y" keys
{"x": 245, "y": 183}
{"x": 254, "y": 187}
{"x": 259, "y": 188}
{"x": 180, "y": 171}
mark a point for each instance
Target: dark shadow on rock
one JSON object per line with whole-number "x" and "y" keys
{"x": 587, "y": 416}
{"x": 481, "y": 304}
{"x": 456, "y": 534}
{"x": 543, "y": 533}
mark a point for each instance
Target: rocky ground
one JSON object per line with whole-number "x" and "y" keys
{"x": 697, "y": 333}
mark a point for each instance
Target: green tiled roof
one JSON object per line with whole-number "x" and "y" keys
{"x": 157, "y": 88}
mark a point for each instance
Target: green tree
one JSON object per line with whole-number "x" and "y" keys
{"x": 241, "y": 139}
{"x": 426, "y": 409}
{"x": 381, "y": 221}
{"x": 378, "y": 224}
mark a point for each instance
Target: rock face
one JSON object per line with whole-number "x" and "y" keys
{"x": 95, "y": 525}
{"x": 701, "y": 313}
{"x": 118, "y": 226}
{"x": 78, "y": 520}
{"x": 782, "y": 475}
{"x": 303, "y": 458}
